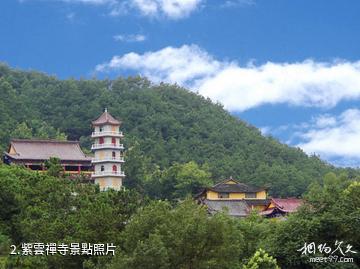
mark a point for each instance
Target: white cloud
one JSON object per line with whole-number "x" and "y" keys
{"x": 266, "y": 130}
{"x": 175, "y": 65}
{"x": 333, "y": 137}
{"x": 338, "y": 138}
{"x": 171, "y": 9}
{"x": 237, "y": 3}
{"x": 174, "y": 9}
{"x": 326, "y": 120}
{"x": 130, "y": 38}
{"x": 307, "y": 83}
{"x": 70, "y": 16}
{"x": 269, "y": 130}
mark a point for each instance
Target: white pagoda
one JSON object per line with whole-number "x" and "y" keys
{"x": 108, "y": 152}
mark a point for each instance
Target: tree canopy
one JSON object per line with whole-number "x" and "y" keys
{"x": 165, "y": 124}
{"x": 177, "y": 143}
{"x": 162, "y": 234}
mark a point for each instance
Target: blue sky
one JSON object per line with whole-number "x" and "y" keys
{"x": 291, "y": 68}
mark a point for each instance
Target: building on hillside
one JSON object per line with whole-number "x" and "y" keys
{"x": 33, "y": 154}
{"x": 105, "y": 167}
{"x": 108, "y": 151}
{"x": 238, "y": 198}
{"x": 280, "y": 207}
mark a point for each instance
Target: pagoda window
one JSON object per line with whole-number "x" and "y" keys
{"x": 113, "y": 154}
{"x": 102, "y": 168}
{"x": 223, "y": 195}
{"x": 250, "y": 195}
{"x": 113, "y": 140}
{"x": 100, "y": 129}
{"x": 101, "y": 140}
{"x": 114, "y": 168}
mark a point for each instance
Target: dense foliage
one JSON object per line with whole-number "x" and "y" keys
{"x": 158, "y": 234}
{"x": 164, "y": 124}
{"x": 331, "y": 214}
{"x": 184, "y": 237}
{"x": 37, "y": 207}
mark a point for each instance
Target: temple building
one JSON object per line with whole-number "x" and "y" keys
{"x": 280, "y": 207}
{"x": 104, "y": 167}
{"x": 33, "y": 153}
{"x": 239, "y": 199}
{"x": 108, "y": 152}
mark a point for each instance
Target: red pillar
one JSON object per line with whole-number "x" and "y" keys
{"x": 79, "y": 169}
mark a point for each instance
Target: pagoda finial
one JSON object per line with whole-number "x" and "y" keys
{"x": 105, "y": 110}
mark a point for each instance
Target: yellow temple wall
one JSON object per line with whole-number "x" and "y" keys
{"x": 212, "y": 195}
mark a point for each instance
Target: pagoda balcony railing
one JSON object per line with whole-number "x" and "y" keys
{"x": 107, "y": 133}
{"x": 108, "y": 173}
{"x": 107, "y": 145}
{"x": 108, "y": 159}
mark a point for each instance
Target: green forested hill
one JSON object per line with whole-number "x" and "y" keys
{"x": 163, "y": 123}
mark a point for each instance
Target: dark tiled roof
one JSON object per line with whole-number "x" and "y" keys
{"x": 106, "y": 118}
{"x": 237, "y": 187}
{"x": 236, "y": 208}
{"x": 27, "y": 149}
{"x": 255, "y": 202}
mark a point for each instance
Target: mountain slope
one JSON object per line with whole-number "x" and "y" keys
{"x": 171, "y": 125}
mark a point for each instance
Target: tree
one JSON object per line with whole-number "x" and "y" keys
{"x": 138, "y": 168}
{"x": 54, "y": 167}
{"x": 22, "y": 131}
{"x": 254, "y": 229}
{"x": 189, "y": 179}
{"x": 42, "y": 208}
{"x": 261, "y": 260}
{"x": 170, "y": 124}
{"x": 178, "y": 181}
{"x": 180, "y": 237}
{"x": 330, "y": 213}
